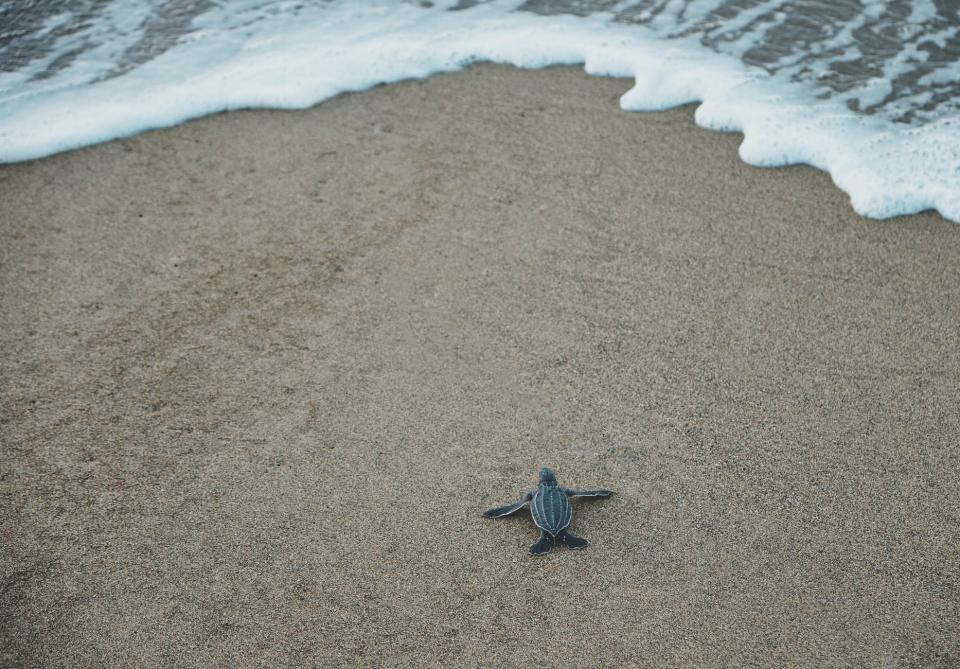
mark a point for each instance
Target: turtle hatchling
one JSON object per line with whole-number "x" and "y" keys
{"x": 552, "y": 512}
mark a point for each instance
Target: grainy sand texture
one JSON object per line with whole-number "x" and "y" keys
{"x": 262, "y": 373}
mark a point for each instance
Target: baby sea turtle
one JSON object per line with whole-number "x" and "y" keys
{"x": 551, "y": 511}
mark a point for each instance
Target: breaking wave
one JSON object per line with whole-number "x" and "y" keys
{"x": 868, "y": 91}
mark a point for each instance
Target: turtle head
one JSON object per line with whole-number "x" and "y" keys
{"x": 547, "y": 477}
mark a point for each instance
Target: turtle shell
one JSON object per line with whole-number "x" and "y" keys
{"x": 551, "y": 509}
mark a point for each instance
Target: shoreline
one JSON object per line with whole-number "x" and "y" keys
{"x": 264, "y": 370}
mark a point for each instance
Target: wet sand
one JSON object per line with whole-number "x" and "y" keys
{"x": 262, "y": 372}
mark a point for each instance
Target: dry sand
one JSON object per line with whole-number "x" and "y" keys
{"x": 262, "y": 373}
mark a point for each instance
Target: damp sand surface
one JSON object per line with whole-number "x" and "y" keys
{"x": 263, "y": 371}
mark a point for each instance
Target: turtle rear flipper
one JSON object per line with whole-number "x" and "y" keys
{"x": 544, "y": 546}
{"x": 572, "y": 541}
{"x": 502, "y": 511}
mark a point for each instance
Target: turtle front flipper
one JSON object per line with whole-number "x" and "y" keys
{"x": 502, "y": 511}
{"x": 544, "y": 546}
{"x": 587, "y": 493}
{"x": 572, "y": 541}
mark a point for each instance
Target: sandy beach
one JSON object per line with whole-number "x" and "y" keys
{"x": 262, "y": 373}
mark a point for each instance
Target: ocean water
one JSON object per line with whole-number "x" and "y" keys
{"x": 867, "y": 90}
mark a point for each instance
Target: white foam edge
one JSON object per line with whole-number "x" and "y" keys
{"x": 886, "y": 171}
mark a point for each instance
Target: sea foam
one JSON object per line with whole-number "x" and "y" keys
{"x": 247, "y": 54}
